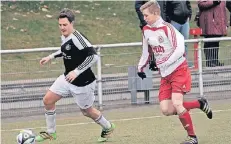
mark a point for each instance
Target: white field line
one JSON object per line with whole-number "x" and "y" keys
{"x": 115, "y": 120}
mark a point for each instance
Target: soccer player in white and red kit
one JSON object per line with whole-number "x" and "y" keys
{"x": 167, "y": 44}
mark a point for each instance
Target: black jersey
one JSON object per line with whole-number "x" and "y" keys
{"x": 77, "y": 52}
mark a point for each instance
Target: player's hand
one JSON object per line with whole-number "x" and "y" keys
{"x": 44, "y": 60}
{"x": 71, "y": 76}
{"x": 142, "y": 75}
{"x": 152, "y": 66}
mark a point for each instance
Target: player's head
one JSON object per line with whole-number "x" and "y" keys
{"x": 151, "y": 11}
{"x": 66, "y": 20}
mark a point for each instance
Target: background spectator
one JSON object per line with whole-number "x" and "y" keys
{"x": 228, "y": 5}
{"x": 179, "y": 13}
{"x": 138, "y": 4}
{"x": 213, "y": 22}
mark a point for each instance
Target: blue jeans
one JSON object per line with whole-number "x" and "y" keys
{"x": 184, "y": 30}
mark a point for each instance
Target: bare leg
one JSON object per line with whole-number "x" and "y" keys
{"x": 167, "y": 108}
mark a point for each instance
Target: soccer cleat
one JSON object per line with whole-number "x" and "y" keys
{"x": 105, "y": 134}
{"x": 190, "y": 140}
{"x": 45, "y": 136}
{"x": 204, "y": 106}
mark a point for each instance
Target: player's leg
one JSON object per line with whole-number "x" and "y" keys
{"x": 97, "y": 116}
{"x": 167, "y": 107}
{"x": 185, "y": 118}
{"x": 165, "y": 92}
{"x": 84, "y": 97}
{"x": 58, "y": 89}
{"x": 49, "y": 102}
{"x": 202, "y": 104}
{"x": 181, "y": 83}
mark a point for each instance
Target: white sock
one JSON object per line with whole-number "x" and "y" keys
{"x": 51, "y": 120}
{"x": 103, "y": 122}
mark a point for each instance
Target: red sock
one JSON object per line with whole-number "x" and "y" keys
{"x": 186, "y": 121}
{"x": 191, "y": 104}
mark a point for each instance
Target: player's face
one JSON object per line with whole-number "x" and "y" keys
{"x": 65, "y": 27}
{"x": 149, "y": 17}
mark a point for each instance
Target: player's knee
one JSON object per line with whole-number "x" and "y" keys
{"x": 47, "y": 101}
{"x": 165, "y": 111}
{"x": 177, "y": 104}
{"x": 50, "y": 99}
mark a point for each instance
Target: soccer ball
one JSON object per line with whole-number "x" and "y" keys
{"x": 26, "y": 137}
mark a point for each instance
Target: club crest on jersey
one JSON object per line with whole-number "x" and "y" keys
{"x": 160, "y": 39}
{"x": 68, "y": 47}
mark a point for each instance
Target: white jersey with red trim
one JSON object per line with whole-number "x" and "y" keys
{"x": 167, "y": 44}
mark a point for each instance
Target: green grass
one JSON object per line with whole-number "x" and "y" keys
{"x": 43, "y": 32}
{"x": 96, "y": 20}
{"x": 151, "y": 127}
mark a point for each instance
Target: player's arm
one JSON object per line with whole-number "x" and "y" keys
{"x": 50, "y": 57}
{"x": 178, "y": 45}
{"x": 87, "y": 50}
{"x": 144, "y": 59}
{"x": 55, "y": 54}
{"x": 91, "y": 58}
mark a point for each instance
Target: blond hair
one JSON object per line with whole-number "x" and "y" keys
{"x": 152, "y": 6}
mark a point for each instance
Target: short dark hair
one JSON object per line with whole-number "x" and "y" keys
{"x": 67, "y": 13}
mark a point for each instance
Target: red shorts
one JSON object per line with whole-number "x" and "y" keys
{"x": 177, "y": 82}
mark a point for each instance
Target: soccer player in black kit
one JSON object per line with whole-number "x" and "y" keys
{"x": 78, "y": 79}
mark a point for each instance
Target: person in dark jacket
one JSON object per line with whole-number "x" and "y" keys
{"x": 179, "y": 14}
{"x": 139, "y": 3}
{"x": 213, "y": 22}
{"x": 162, "y": 4}
{"x": 228, "y": 5}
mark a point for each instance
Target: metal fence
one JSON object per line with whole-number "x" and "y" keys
{"x": 24, "y": 82}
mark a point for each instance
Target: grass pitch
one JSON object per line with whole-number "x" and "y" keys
{"x": 134, "y": 125}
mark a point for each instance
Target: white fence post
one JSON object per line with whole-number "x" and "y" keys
{"x": 201, "y": 89}
{"x": 99, "y": 79}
